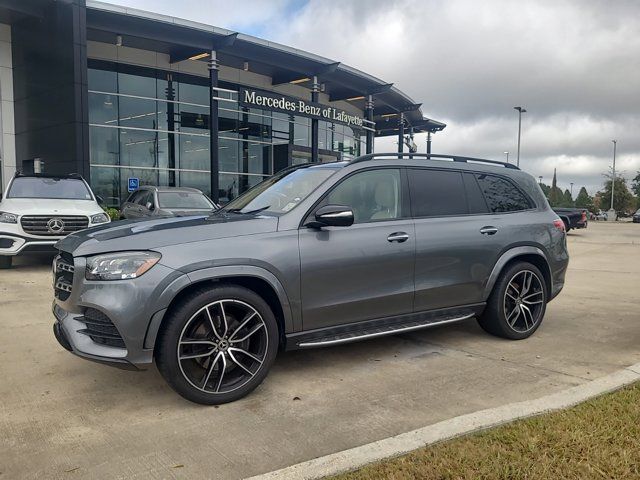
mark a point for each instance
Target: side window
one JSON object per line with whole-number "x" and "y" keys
{"x": 132, "y": 197}
{"x": 502, "y": 195}
{"x": 475, "y": 199}
{"x": 145, "y": 196}
{"x": 373, "y": 195}
{"x": 437, "y": 193}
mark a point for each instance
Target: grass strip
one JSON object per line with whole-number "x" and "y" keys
{"x": 599, "y": 438}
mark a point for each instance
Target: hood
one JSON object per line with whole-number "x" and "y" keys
{"x": 145, "y": 234}
{"x": 49, "y": 206}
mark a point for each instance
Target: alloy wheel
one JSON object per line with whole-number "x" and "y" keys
{"x": 524, "y": 301}
{"x": 222, "y": 346}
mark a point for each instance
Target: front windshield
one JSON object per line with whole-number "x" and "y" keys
{"x": 281, "y": 193}
{"x": 185, "y": 200}
{"x": 43, "y": 187}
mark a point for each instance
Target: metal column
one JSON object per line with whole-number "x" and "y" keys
{"x": 368, "y": 113}
{"x": 428, "y": 143}
{"x": 213, "y": 127}
{"x": 315, "y": 134}
{"x": 401, "y": 134}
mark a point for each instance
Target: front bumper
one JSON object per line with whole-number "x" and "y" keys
{"x": 15, "y": 244}
{"x": 66, "y": 330}
{"x": 134, "y": 307}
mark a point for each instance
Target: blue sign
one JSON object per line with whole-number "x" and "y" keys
{"x": 134, "y": 183}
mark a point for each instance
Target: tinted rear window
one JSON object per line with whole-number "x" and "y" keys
{"x": 437, "y": 193}
{"x": 502, "y": 195}
{"x": 57, "y": 188}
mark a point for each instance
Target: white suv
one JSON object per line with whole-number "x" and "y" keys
{"x": 39, "y": 210}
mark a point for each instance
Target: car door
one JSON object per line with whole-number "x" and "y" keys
{"x": 129, "y": 208}
{"x": 143, "y": 201}
{"x": 364, "y": 271}
{"x": 457, "y": 239}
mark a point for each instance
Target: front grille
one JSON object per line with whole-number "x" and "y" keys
{"x": 63, "y": 276}
{"x": 100, "y": 328}
{"x": 53, "y": 226}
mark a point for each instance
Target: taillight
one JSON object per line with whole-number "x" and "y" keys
{"x": 559, "y": 224}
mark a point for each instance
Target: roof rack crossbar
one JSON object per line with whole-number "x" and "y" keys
{"x": 432, "y": 156}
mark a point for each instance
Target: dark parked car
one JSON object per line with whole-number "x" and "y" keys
{"x": 636, "y": 216}
{"x": 573, "y": 217}
{"x": 317, "y": 255}
{"x": 149, "y": 201}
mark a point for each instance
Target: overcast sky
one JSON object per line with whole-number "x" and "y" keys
{"x": 574, "y": 65}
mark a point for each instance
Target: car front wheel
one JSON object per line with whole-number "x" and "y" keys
{"x": 218, "y": 344}
{"x": 517, "y": 304}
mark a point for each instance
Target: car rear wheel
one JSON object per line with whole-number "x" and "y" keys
{"x": 517, "y": 303}
{"x": 5, "y": 261}
{"x": 218, "y": 345}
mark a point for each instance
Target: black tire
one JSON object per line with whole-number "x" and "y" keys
{"x": 5, "y": 262}
{"x": 182, "y": 378}
{"x": 494, "y": 318}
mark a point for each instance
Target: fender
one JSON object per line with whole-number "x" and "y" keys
{"x": 212, "y": 273}
{"x": 505, "y": 258}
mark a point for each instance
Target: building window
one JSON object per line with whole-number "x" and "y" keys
{"x": 154, "y": 125}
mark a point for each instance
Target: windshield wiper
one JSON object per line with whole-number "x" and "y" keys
{"x": 257, "y": 210}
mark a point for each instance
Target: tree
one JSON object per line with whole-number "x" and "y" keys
{"x": 583, "y": 200}
{"x": 635, "y": 185}
{"x": 623, "y": 200}
{"x": 566, "y": 201}
{"x": 545, "y": 189}
{"x": 555, "y": 194}
{"x": 635, "y": 188}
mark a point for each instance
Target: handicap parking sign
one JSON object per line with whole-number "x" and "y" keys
{"x": 134, "y": 183}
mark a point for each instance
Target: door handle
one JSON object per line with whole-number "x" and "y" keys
{"x": 398, "y": 237}
{"x": 488, "y": 230}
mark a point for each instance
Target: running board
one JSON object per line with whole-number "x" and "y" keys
{"x": 373, "y": 331}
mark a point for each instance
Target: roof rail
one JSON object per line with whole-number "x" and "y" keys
{"x": 432, "y": 156}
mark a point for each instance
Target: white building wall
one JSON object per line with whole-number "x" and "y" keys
{"x": 7, "y": 127}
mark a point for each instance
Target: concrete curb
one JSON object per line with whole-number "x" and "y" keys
{"x": 393, "y": 446}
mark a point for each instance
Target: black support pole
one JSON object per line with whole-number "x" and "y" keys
{"x": 401, "y": 134}
{"x": 171, "y": 126}
{"x": 368, "y": 113}
{"x": 213, "y": 127}
{"x": 315, "y": 132}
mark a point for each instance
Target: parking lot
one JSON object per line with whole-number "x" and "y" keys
{"x": 64, "y": 417}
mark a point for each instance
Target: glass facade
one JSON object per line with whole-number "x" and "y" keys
{"x": 154, "y": 125}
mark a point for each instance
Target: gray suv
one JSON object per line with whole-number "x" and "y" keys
{"x": 317, "y": 255}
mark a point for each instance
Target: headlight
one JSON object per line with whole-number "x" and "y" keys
{"x": 120, "y": 266}
{"x": 99, "y": 218}
{"x": 8, "y": 217}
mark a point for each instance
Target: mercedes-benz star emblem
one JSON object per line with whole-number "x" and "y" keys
{"x": 55, "y": 225}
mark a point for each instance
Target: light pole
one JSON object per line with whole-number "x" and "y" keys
{"x": 571, "y": 191}
{"x": 540, "y": 180}
{"x": 611, "y": 215}
{"x": 507, "y": 154}
{"x": 520, "y": 110}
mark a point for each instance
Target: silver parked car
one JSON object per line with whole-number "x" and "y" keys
{"x": 317, "y": 255}
{"x": 151, "y": 201}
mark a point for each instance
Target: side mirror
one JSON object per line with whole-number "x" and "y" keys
{"x": 100, "y": 200}
{"x": 149, "y": 206}
{"x": 332, "y": 216}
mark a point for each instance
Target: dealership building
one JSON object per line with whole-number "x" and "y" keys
{"x": 126, "y": 97}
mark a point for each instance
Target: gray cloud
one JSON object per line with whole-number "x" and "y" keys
{"x": 573, "y": 64}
